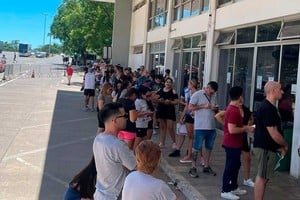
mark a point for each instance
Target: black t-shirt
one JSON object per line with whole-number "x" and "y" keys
{"x": 128, "y": 105}
{"x": 267, "y": 116}
{"x": 247, "y": 115}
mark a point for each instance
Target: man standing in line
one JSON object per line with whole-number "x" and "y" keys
{"x": 203, "y": 104}
{"x": 234, "y": 131}
{"x": 268, "y": 137}
{"x": 89, "y": 89}
{"x": 113, "y": 158}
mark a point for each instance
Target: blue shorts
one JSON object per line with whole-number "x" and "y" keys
{"x": 200, "y": 136}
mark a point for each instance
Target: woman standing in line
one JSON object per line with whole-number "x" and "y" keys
{"x": 83, "y": 184}
{"x": 168, "y": 98}
{"x": 142, "y": 184}
{"x": 129, "y": 133}
{"x": 144, "y": 115}
{"x": 103, "y": 98}
{"x": 187, "y": 118}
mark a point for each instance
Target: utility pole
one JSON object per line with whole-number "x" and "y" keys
{"x": 49, "y": 43}
{"x": 45, "y": 14}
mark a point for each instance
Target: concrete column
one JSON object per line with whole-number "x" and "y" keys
{"x": 168, "y": 42}
{"x": 210, "y": 43}
{"x": 121, "y": 32}
{"x": 295, "y": 159}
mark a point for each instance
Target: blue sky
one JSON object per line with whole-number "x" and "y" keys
{"x": 24, "y": 20}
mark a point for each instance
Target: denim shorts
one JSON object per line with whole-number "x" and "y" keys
{"x": 200, "y": 136}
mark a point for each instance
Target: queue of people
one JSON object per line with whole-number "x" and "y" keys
{"x": 131, "y": 104}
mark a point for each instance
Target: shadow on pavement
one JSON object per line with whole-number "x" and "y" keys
{"x": 70, "y": 144}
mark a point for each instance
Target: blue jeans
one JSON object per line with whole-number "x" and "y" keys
{"x": 72, "y": 194}
{"x": 200, "y": 136}
{"x": 231, "y": 170}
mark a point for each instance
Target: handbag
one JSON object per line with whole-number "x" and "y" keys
{"x": 181, "y": 129}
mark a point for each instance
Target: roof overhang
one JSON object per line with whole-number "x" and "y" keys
{"x": 108, "y": 1}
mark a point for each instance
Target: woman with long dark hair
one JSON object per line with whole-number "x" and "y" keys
{"x": 83, "y": 184}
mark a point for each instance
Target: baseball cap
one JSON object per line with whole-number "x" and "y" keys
{"x": 143, "y": 79}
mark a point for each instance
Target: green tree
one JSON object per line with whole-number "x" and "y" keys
{"x": 83, "y": 26}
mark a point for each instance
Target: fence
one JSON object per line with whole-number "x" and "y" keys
{"x": 29, "y": 70}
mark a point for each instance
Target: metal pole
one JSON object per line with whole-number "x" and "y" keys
{"x": 45, "y": 14}
{"x": 49, "y": 44}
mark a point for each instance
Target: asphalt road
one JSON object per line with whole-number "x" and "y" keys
{"x": 45, "y": 137}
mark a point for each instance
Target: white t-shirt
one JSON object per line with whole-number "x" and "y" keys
{"x": 204, "y": 118}
{"x": 141, "y": 105}
{"x": 113, "y": 161}
{"x": 139, "y": 185}
{"x": 89, "y": 81}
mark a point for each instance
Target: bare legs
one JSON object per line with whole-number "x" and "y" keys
{"x": 259, "y": 188}
{"x": 247, "y": 164}
{"x": 190, "y": 134}
{"x": 166, "y": 125}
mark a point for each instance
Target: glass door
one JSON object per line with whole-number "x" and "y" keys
{"x": 288, "y": 80}
{"x": 243, "y": 72}
{"x": 267, "y": 66}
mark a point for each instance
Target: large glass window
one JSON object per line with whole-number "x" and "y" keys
{"x": 288, "y": 80}
{"x": 187, "y": 8}
{"x": 205, "y": 5}
{"x": 158, "y": 13}
{"x": 243, "y": 71}
{"x": 245, "y": 35}
{"x": 267, "y": 65}
{"x": 220, "y": 2}
{"x": 225, "y": 77}
{"x": 290, "y": 30}
{"x": 157, "y": 56}
{"x": 225, "y": 38}
{"x": 268, "y": 32}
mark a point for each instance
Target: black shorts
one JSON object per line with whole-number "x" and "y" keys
{"x": 89, "y": 92}
{"x": 100, "y": 122}
{"x": 150, "y": 124}
{"x": 189, "y": 119}
{"x": 245, "y": 146}
{"x": 141, "y": 132}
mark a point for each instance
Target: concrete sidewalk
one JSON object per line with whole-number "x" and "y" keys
{"x": 46, "y": 138}
{"x": 208, "y": 187}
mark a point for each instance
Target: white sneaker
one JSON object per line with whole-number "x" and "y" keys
{"x": 239, "y": 191}
{"x": 248, "y": 182}
{"x": 229, "y": 195}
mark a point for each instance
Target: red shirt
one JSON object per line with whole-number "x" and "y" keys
{"x": 70, "y": 71}
{"x": 233, "y": 116}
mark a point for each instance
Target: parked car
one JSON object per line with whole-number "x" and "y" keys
{"x": 41, "y": 54}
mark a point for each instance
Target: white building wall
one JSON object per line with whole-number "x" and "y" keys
{"x": 138, "y": 35}
{"x": 231, "y": 16}
{"x": 255, "y": 11}
{"x": 139, "y": 27}
{"x": 190, "y": 26}
{"x": 157, "y": 35}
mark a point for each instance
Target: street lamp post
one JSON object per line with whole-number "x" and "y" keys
{"x": 49, "y": 43}
{"x": 45, "y": 14}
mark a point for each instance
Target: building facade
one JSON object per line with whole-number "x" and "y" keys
{"x": 234, "y": 42}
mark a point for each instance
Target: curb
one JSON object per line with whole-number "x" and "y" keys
{"x": 180, "y": 182}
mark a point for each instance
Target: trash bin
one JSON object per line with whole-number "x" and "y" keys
{"x": 285, "y": 163}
